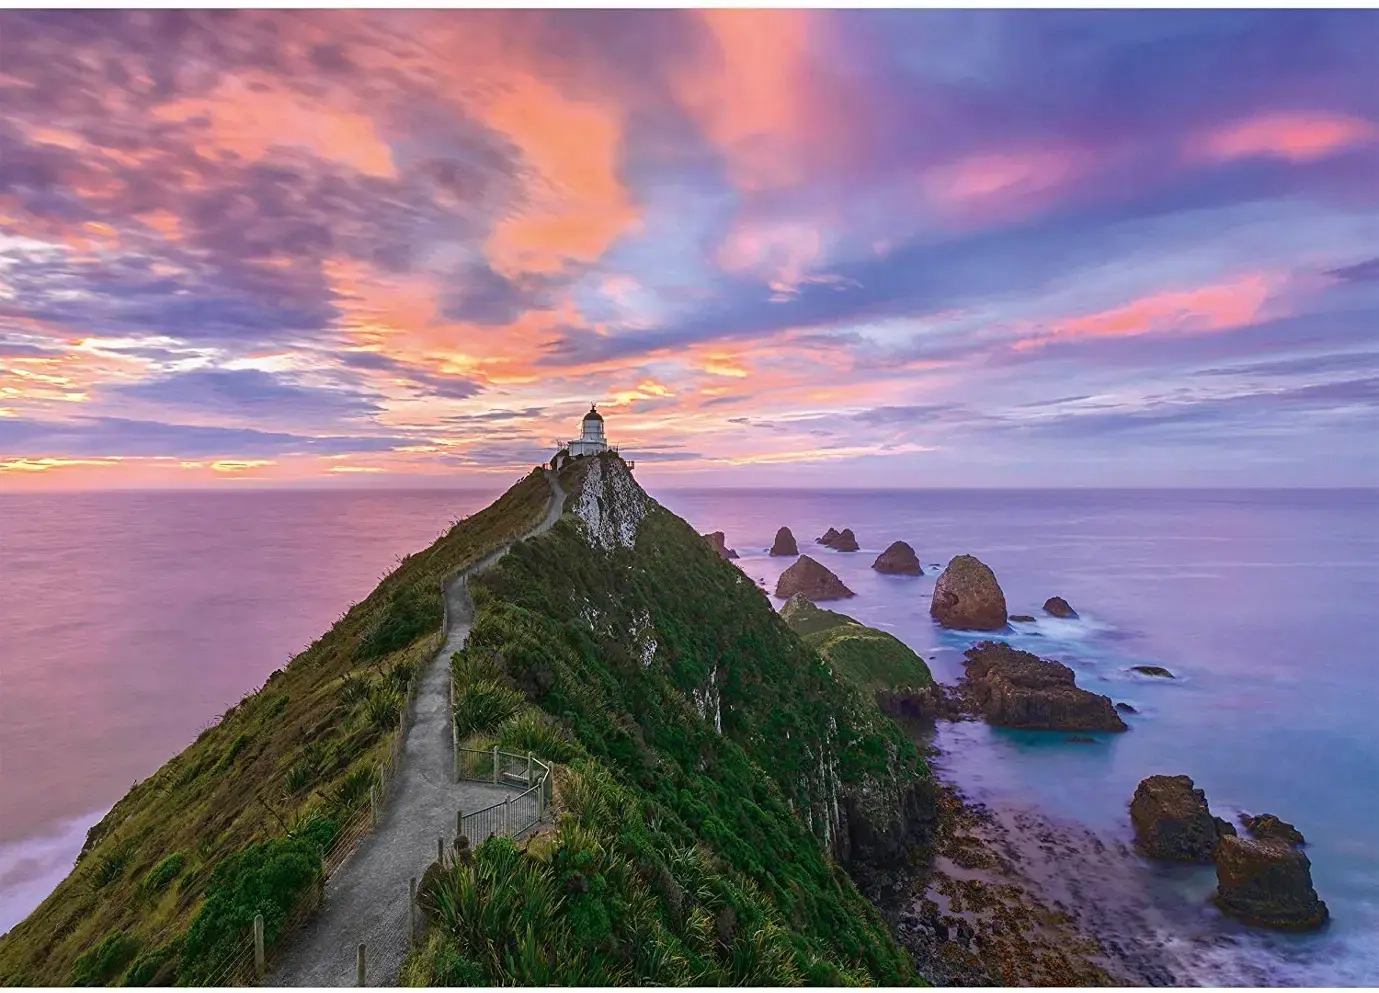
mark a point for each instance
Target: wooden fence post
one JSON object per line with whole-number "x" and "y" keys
{"x": 373, "y": 805}
{"x": 455, "y": 743}
{"x": 459, "y": 823}
{"x": 359, "y": 966}
{"x": 495, "y": 765}
{"x": 440, "y": 851}
{"x": 412, "y": 910}
{"x": 258, "y": 945}
{"x": 507, "y": 815}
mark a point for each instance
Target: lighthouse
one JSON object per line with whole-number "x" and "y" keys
{"x": 591, "y": 440}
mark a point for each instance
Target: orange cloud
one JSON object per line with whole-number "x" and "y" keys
{"x": 250, "y": 120}
{"x": 752, "y": 100}
{"x": 1296, "y": 137}
{"x": 575, "y": 204}
{"x": 1217, "y": 307}
{"x": 782, "y": 253}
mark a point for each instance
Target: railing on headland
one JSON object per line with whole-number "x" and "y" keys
{"x": 514, "y": 815}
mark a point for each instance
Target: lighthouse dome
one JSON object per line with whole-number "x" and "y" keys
{"x": 593, "y": 415}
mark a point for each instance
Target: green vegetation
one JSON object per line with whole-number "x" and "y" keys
{"x": 297, "y": 755}
{"x": 871, "y": 659}
{"x": 683, "y": 855}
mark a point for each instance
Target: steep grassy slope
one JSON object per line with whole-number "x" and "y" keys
{"x": 715, "y": 768}
{"x": 234, "y": 824}
{"x": 871, "y": 659}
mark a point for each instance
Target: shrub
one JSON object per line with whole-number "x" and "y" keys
{"x": 480, "y": 707}
{"x": 267, "y": 878}
{"x": 110, "y": 864}
{"x": 231, "y": 753}
{"x": 409, "y": 613}
{"x": 147, "y": 966}
{"x": 164, "y": 872}
{"x": 529, "y": 731}
{"x": 472, "y": 667}
{"x": 103, "y": 963}
{"x": 299, "y": 776}
{"x": 382, "y": 708}
{"x": 353, "y": 687}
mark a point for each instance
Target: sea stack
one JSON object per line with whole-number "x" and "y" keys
{"x": 968, "y": 597}
{"x": 718, "y": 542}
{"x": 827, "y": 538}
{"x": 812, "y": 580}
{"x": 1173, "y": 822}
{"x": 784, "y": 543}
{"x": 845, "y": 542}
{"x": 1058, "y": 607}
{"x": 1016, "y": 689}
{"x": 1267, "y": 883}
{"x": 899, "y": 560}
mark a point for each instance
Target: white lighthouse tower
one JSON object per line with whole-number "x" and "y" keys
{"x": 591, "y": 440}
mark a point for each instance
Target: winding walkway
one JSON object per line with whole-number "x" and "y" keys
{"x": 366, "y": 899}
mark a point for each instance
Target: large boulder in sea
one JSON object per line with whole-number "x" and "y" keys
{"x": 1015, "y": 689}
{"x": 718, "y": 542}
{"x": 784, "y": 543}
{"x": 968, "y": 597}
{"x": 899, "y": 559}
{"x": 1058, "y": 607}
{"x": 1267, "y": 882}
{"x": 1173, "y": 822}
{"x": 811, "y": 579}
{"x": 1268, "y": 827}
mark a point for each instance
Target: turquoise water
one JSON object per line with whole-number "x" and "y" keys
{"x": 1263, "y": 605}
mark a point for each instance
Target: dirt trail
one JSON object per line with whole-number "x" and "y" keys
{"x": 366, "y": 900}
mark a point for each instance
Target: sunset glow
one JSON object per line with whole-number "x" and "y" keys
{"x": 844, "y": 248}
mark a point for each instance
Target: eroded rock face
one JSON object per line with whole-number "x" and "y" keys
{"x": 1015, "y": 689}
{"x": 1058, "y": 607}
{"x": 784, "y": 543}
{"x": 718, "y": 542}
{"x": 1173, "y": 822}
{"x": 827, "y": 538}
{"x": 1267, "y": 883}
{"x": 1268, "y": 827}
{"x": 812, "y": 580}
{"x": 899, "y": 560}
{"x": 968, "y": 597}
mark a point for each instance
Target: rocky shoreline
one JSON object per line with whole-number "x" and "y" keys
{"x": 976, "y": 908}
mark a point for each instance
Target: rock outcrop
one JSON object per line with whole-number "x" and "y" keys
{"x": 1015, "y": 689}
{"x": 1126, "y": 708}
{"x": 813, "y": 580}
{"x": 1152, "y": 670}
{"x": 839, "y": 541}
{"x": 1267, "y": 883}
{"x": 1267, "y": 827}
{"x": 899, "y": 559}
{"x": 718, "y": 542}
{"x": 1022, "y": 617}
{"x": 1058, "y": 607}
{"x": 784, "y": 543}
{"x": 1173, "y": 822}
{"x": 968, "y": 597}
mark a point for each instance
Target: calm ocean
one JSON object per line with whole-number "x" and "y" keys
{"x": 128, "y": 621}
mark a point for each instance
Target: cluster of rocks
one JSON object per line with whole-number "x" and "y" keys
{"x": 1016, "y": 689}
{"x": 1264, "y": 880}
{"x": 839, "y": 541}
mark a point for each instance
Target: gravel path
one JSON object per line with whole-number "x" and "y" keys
{"x": 366, "y": 899}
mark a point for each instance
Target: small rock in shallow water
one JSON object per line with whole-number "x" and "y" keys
{"x": 1125, "y": 708}
{"x": 1152, "y": 670}
{"x": 1081, "y": 739}
{"x": 1172, "y": 820}
{"x": 1021, "y": 617}
{"x": 1267, "y": 826}
{"x": 1058, "y": 607}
